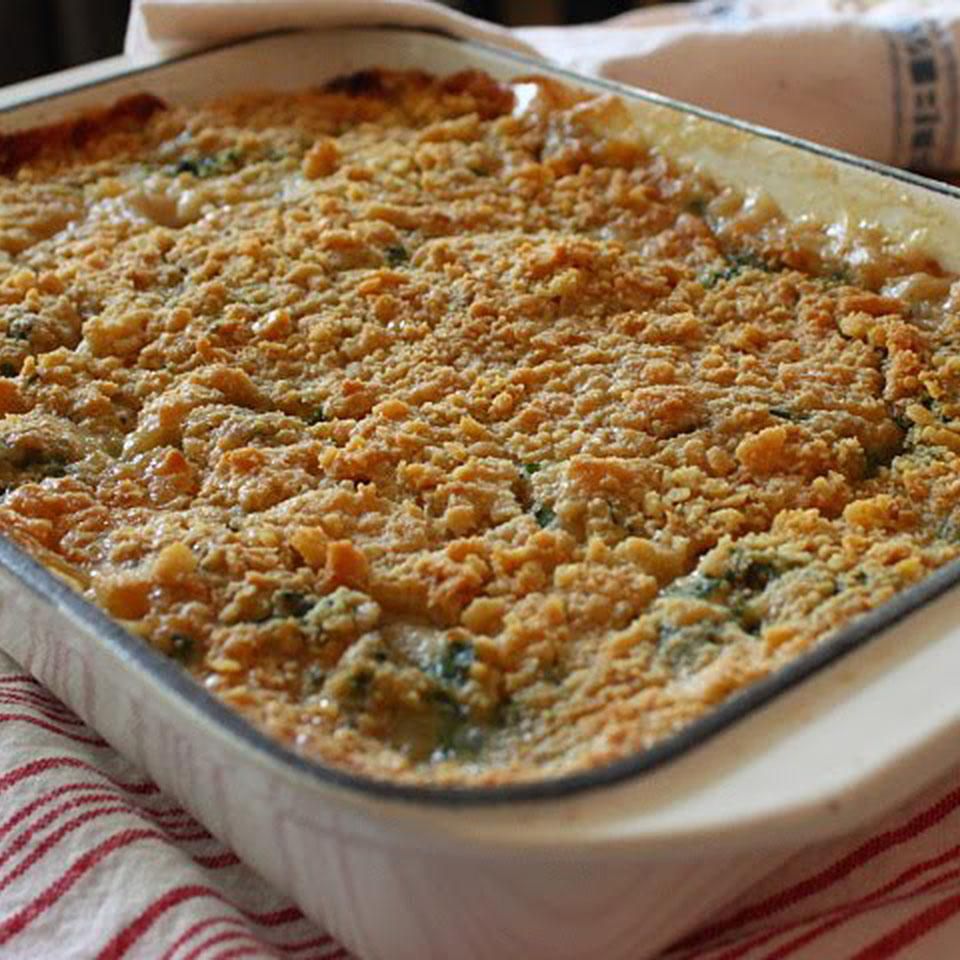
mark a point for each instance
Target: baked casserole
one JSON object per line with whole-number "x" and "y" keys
{"x": 448, "y": 432}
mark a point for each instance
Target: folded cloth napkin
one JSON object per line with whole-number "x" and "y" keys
{"x": 96, "y": 863}
{"x": 879, "y": 78}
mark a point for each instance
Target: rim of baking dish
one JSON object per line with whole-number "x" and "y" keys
{"x": 49, "y": 588}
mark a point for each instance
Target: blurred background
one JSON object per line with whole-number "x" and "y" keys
{"x": 39, "y": 36}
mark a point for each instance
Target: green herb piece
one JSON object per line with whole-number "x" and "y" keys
{"x": 544, "y": 515}
{"x": 215, "y": 165}
{"x": 47, "y": 463}
{"x": 509, "y": 714}
{"x": 744, "y": 576}
{"x": 462, "y": 740}
{"x": 456, "y": 736}
{"x": 292, "y": 603}
{"x": 318, "y": 416}
{"x": 697, "y": 585}
{"x": 21, "y": 327}
{"x": 313, "y": 678}
{"x": 53, "y": 467}
{"x": 454, "y": 663}
{"x": 7, "y": 370}
{"x": 745, "y": 258}
{"x": 838, "y": 278}
{"x": 786, "y": 414}
{"x": 182, "y": 648}
{"x": 553, "y": 673}
{"x": 531, "y": 468}
{"x": 189, "y": 165}
{"x": 753, "y": 574}
{"x": 738, "y": 262}
{"x": 342, "y": 603}
{"x": 711, "y": 278}
{"x": 688, "y": 648}
{"x": 697, "y": 206}
{"x": 396, "y": 255}
{"x": 902, "y": 421}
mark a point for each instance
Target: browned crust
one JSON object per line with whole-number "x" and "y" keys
{"x": 492, "y": 98}
{"x": 362, "y": 83}
{"x": 127, "y": 114}
{"x": 130, "y": 113}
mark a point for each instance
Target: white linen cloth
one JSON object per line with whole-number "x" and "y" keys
{"x": 879, "y": 78}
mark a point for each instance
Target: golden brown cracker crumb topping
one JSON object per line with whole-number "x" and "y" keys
{"x": 450, "y": 441}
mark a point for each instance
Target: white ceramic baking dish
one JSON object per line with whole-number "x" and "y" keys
{"x": 617, "y": 862}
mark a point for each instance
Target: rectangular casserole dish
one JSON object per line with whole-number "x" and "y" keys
{"x": 404, "y": 871}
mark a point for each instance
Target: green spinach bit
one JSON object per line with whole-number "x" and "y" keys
{"x": 456, "y": 735}
{"x": 46, "y": 463}
{"x": 838, "y": 278}
{"x": 685, "y": 648}
{"x": 747, "y": 617}
{"x": 21, "y": 327}
{"x": 396, "y": 255}
{"x": 54, "y": 467}
{"x": 454, "y": 663}
{"x": 313, "y": 678}
{"x": 210, "y": 165}
{"x": 738, "y": 262}
{"x": 784, "y": 413}
{"x": 292, "y": 603}
{"x": 509, "y": 713}
{"x": 544, "y": 515}
{"x": 753, "y": 575}
{"x": 902, "y": 421}
{"x": 948, "y": 530}
{"x": 697, "y": 585}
